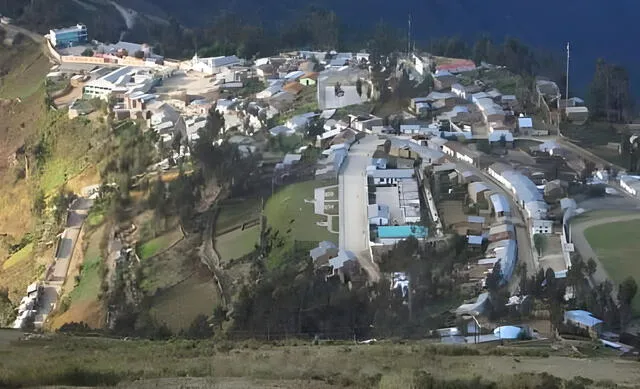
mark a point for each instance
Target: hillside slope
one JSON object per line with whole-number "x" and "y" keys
{"x": 85, "y": 361}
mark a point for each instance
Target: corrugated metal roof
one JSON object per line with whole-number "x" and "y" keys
{"x": 582, "y": 317}
{"x": 500, "y": 203}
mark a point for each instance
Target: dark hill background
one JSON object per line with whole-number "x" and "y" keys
{"x": 596, "y": 28}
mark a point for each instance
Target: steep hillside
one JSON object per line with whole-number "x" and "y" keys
{"x": 23, "y": 68}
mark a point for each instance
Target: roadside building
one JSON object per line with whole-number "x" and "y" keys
{"x": 500, "y": 205}
{"x": 120, "y": 81}
{"x": 631, "y": 184}
{"x": 321, "y": 254}
{"x": 309, "y": 79}
{"x": 525, "y": 125}
{"x": 461, "y": 152}
{"x": 443, "y": 79}
{"x": 213, "y": 65}
{"x": 390, "y": 177}
{"x": 501, "y": 231}
{"x": 478, "y": 191}
{"x": 69, "y": 36}
{"x": 378, "y": 214}
{"x": 577, "y": 115}
{"x": 584, "y": 320}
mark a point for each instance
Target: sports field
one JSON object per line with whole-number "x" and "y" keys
{"x": 617, "y": 246}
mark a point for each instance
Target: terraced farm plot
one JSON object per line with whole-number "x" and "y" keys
{"x": 237, "y": 243}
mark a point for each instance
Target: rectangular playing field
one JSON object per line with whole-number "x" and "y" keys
{"x": 617, "y": 246}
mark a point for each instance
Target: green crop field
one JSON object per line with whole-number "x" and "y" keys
{"x": 236, "y": 212}
{"x": 617, "y": 246}
{"x": 237, "y": 243}
{"x": 18, "y": 257}
{"x": 159, "y": 244}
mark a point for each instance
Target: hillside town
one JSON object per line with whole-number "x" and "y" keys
{"x": 473, "y": 171}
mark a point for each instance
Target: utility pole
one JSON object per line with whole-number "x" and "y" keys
{"x": 409, "y": 37}
{"x": 566, "y": 89}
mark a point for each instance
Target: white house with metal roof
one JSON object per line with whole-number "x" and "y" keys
{"x": 387, "y": 177}
{"x": 378, "y": 214}
{"x": 212, "y": 65}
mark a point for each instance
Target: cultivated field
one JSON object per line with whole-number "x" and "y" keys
{"x": 237, "y": 243}
{"x": 236, "y": 212}
{"x": 179, "y": 305}
{"x": 617, "y": 246}
{"x": 160, "y": 243}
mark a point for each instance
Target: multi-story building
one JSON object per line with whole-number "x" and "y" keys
{"x": 69, "y": 36}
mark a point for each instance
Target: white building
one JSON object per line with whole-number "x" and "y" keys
{"x": 389, "y": 176}
{"x": 378, "y": 214}
{"x": 631, "y": 184}
{"x": 527, "y": 196}
{"x": 122, "y": 80}
{"x": 213, "y": 65}
{"x": 70, "y": 36}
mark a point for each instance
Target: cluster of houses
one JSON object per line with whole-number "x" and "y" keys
{"x": 395, "y": 214}
{"x": 28, "y": 306}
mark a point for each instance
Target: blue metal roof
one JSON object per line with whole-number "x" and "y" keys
{"x": 401, "y": 231}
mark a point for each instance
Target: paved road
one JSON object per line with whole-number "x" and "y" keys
{"x": 523, "y": 238}
{"x": 56, "y": 278}
{"x": 354, "y": 223}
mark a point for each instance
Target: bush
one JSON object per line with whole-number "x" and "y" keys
{"x": 87, "y": 53}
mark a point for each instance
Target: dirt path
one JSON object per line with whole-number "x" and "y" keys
{"x": 584, "y": 248}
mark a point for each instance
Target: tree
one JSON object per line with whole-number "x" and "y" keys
{"x": 176, "y": 141}
{"x": 87, "y": 53}
{"x": 540, "y": 243}
{"x": 591, "y": 267}
{"x": 214, "y": 125}
{"x": 219, "y": 316}
{"x": 315, "y": 127}
{"x": 626, "y": 292}
{"x": 39, "y": 204}
{"x": 139, "y": 54}
{"x": 359, "y": 87}
{"x": 610, "y": 94}
{"x": 494, "y": 279}
{"x": 200, "y": 328}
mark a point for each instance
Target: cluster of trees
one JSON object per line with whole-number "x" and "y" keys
{"x": 434, "y": 278}
{"x": 610, "y": 95}
{"x": 221, "y": 160}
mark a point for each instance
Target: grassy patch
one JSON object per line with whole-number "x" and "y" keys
{"x": 18, "y": 257}
{"x": 159, "y": 244}
{"x": 29, "y": 66}
{"x": 84, "y": 361}
{"x": 236, "y": 212}
{"x": 88, "y": 288}
{"x": 179, "y": 305}
{"x": 237, "y": 243}
{"x": 287, "y": 212}
{"x": 617, "y": 246}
